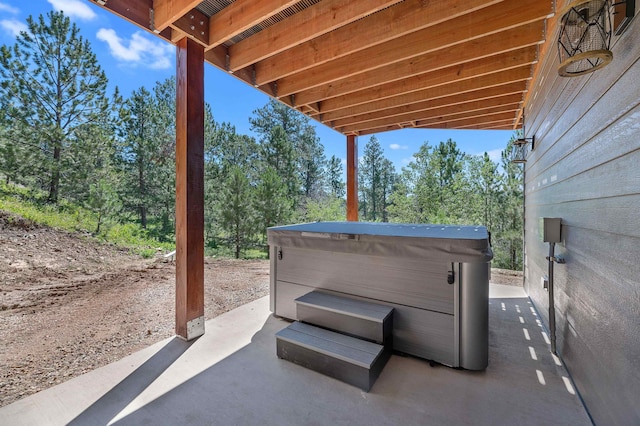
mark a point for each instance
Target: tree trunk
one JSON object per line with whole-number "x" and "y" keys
{"x": 141, "y": 184}
{"x": 55, "y": 175}
{"x": 237, "y": 242}
{"x": 143, "y": 217}
{"x": 99, "y": 221}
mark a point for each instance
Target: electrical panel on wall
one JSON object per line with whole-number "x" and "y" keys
{"x": 550, "y": 229}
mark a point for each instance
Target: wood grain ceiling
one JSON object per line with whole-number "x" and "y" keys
{"x": 367, "y": 66}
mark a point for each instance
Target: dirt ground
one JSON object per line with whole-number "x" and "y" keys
{"x": 69, "y": 304}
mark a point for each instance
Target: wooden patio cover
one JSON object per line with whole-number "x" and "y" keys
{"x": 367, "y": 66}
{"x": 357, "y": 66}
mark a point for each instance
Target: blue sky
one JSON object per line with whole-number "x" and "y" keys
{"x": 133, "y": 58}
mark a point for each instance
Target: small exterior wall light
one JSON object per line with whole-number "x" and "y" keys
{"x": 521, "y": 151}
{"x": 585, "y": 36}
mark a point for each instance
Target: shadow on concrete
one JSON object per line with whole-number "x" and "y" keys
{"x": 522, "y": 385}
{"x": 117, "y": 398}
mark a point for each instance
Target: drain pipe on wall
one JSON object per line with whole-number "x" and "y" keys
{"x": 551, "y": 234}
{"x": 552, "y": 310}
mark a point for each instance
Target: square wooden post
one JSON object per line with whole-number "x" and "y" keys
{"x": 189, "y": 189}
{"x": 352, "y": 178}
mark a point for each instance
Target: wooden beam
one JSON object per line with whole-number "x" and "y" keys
{"x": 189, "y": 189}
{"x": 431, "y": 122}
{"x": 396, "y": 21}
{"x": 470, "y": 109}
{"x": 457, "y": 73}
{"x": 195, "y": 24}
{"x": 310, "y": 23}
{"x": 310, "y": 86}
{"x": 352, "y": 178}
{"x": 218, "y": 58}
{"x": 138, "y": 13}
{"x": 399, "y": 43}
{"x": 241, "y": 15}
{"x": 166, "y": 12}
{"x": 506, "y": 123}
{"x": 520, "y": 74}
{"x": 433, "y": 106}
{"x": 551, "y": 38}
{"x": 478, "y": 114}
{"x": 471, "y": 122}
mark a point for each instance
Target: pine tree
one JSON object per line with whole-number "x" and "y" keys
{"x": 271, "y": 203}
{"x": 334, "y": 177}
{"x": 53, "y": 84}
{"x": 311, "y": 163}
{"x": 305, "y": 179}
{"x": 277, "y": 153}
{"x": 511, "y": 210}
{"x": 137, "y": 151}
{"x": 147, "y": 156}
{"x": 376, "y": 175}
{"x": 236, "y": 209}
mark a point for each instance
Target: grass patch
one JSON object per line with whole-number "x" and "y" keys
{"x": 66, "y": 216}
{"x": 226, "y": 252}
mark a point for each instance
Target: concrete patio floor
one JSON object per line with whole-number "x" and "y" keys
{"x": 231, "y": 376}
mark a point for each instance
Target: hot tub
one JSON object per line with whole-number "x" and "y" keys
{"x": 436, "y": 277}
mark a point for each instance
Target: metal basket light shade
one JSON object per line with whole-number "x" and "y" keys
{"x": 520, "y": 147}
{"x": 585, "y": 36}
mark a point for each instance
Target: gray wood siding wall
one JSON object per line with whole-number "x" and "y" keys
{"x": 585, "y": 169}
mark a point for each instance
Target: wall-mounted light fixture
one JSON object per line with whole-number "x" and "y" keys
{"x": 585, "y": 37}
{"x": 521, "y": 149}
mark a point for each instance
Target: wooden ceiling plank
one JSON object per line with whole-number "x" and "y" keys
{"x": 466, "y": 122}
{"x": 486, "y": 67}
{"x": 218, "y": 58}
{"x": 521, "y": 75}
{"x": 507, "y": 109}
{"x": 241, "y": 15}
{"x": 549, "y": 43}
{"x": 501, "y": 124}
{"x": 393, "y": 22}
{"x": 463, "y": 99}
{"x": 310, "y": 23}
{"x": 356, "y": 53}
{"x": 166, "y": 12}
{"x": 515, "y": 38}
{"x": 488, "y": 112}
{"x": 475, "y": 107}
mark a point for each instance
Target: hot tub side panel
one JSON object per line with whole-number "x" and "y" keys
{"x": 416, "y": 288}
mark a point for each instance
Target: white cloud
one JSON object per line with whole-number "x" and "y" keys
{"x": 495, "y": 155}
{"x": 406, "y": 161}
{"x": 396, "y": 146}
{"x": 8, "y": 8}
{"x": 13, "y": 26}
{"x": 138, "y": 50}
{"x": 74, "y": 8}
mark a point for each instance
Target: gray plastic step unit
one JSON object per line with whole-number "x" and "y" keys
{"x": 342, "y": 357}
{"x": 350, "y": 316}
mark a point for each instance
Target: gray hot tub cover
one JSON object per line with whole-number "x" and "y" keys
{"x": 452, "y": 243}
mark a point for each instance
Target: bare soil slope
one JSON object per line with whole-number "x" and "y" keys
{"x": 69, "y": 304}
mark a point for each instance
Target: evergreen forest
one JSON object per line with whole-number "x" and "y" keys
{"x": 65, "y": 141}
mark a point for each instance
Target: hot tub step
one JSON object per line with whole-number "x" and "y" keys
{"x": 345, "y": 358}
{"x": 354, "y": 317}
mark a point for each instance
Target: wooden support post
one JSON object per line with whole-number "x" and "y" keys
{"x": 189, "y": 189}
{"x": 352, "y": 178}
